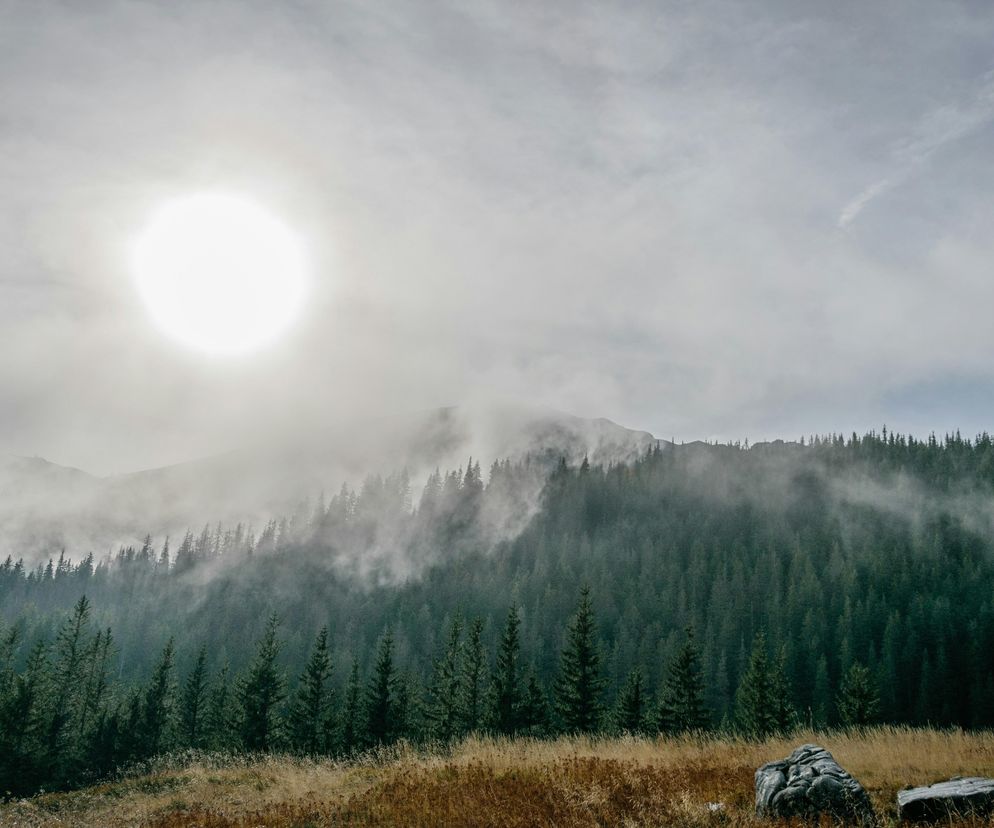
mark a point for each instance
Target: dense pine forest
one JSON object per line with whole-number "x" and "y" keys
{"x": 830, "y": 582}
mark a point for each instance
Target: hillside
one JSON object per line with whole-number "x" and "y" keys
{"x": 45, "y": 507}
{"x": 825, "y": 583}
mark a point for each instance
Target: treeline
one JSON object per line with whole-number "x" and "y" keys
{"x": 65, "y": 721}
{"x": 868, "y": 553}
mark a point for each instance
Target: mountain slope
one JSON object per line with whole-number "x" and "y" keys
{"x": 45, "y": 507}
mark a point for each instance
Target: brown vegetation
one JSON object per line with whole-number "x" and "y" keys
{"x": 481, "y": 782}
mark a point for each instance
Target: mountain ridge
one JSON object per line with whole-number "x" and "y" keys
{"x": 46, "y": 507}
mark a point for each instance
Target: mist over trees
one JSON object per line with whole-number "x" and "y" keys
{"x": 836, "y": 583}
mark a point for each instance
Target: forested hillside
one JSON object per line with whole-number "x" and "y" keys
{"x": 825, "y": 582}
{"x": 45, "y": 506}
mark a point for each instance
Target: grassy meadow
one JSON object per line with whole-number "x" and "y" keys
{"x": 483, "y": 782}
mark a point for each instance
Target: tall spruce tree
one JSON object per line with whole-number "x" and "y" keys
{"x": 784, "y": 711}
{"x": 95, "y": 681}
{"x": 65, "y": 699}
{"x": 132, "y": 744}
{"x": 352, "y": 725}
{"x": 534, "y": 717}
{"x": 505, "y": 701}
{"x": 407, "y": 709}
{"x": 311, "y": 714}
{"x": 579, "y": 683}
{"x": 381, "y": 694}
{"x": 444, "y": 695}
{"x": 8, "y": 649}
{"x": 104, "y": 749}
{"x": 629, "y": 712}
{"x": 821, "y": 697}
{"x": 763, "y": 705}
{"x": 221, "y": 725}
{"x": 157, "y": 706}
{"x": 261, "y": 691}
{"x": 22, "y": 725}
{"x": 471, "y": 685}
{"x": 859, "y": 700}
{"x": 681, "y": 700}
{"x": 194, "y": 702}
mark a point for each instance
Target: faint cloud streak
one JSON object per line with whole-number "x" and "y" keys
{"x": 942, "y": 126}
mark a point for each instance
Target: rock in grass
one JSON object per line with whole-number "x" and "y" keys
{"x": 809, "y": 783}
{"x": 972, "y": 796}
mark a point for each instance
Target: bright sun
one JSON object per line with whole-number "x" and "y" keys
{"x": 219, "y": 273}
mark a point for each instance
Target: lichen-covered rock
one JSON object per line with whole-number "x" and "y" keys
{"x": 809, "y": 783}
{"x": 972, "y": 796}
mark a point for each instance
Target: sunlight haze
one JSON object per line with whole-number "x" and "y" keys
{"x": 705, "y": 220}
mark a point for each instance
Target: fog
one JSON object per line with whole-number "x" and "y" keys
{"x": 709, "y": 220}
{"x": 45, "y": 508}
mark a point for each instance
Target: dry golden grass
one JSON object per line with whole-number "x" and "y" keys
{"x": 481, "y": 782}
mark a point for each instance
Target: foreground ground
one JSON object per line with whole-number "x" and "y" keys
{"x": 516, "y": 783}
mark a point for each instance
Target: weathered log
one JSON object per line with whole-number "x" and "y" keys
{"x": 971, "y": 796}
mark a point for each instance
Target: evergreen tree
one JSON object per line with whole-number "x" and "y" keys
{"x": 64, "y": 707}
{"x": 193, "y": 702}
{"x": 130, "y": 726}
{"x": 681, "y": 699}
{"x": 859, "y": 701}
{"x": 925, "y": 701}
{"x": 8, "y": 649}
{"x": 22, "y": 725}
{"x": 261, "y": 692}
{"x": 311, "y": 714}
{"x": 407, "y": 709}
{"x": 505, "y": 702}
{"x": 821, "y": 699}
{"x": 721, "y": 694}
{"x": 381, "y": 695}
{"x": 785, "y": 716}
{"x": 95, "y": 681}
{"x": 445, "y": 691}
{"x": 105, "y": 743}
{"x": 352, "y": 725}
{"x": 629, "y": 713}
{"x": 752, "y": 700}
{"x": 471, "y": 684}
{"x": 163, "y": 564}
{"x": 762, "y": 702}
{"x": 579, "y": 684}
{"x": 534, "y": 717}
{"x": 221, "y": 723}
{"x": 157, "y": 711}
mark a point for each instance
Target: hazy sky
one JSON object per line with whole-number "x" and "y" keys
{"x": 705, "y": 219}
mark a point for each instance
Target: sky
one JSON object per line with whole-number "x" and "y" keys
{"x": 709, "y": 220}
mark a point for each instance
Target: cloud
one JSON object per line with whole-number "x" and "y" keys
{"x": 942, "y": 126}
{"x": 618, "y": 211}
{"x": 855, "y": 207}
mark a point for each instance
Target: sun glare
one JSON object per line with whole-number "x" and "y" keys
{"x": 219, "y": 273}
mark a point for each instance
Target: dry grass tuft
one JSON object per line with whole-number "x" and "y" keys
{"x": 484, "y": 782}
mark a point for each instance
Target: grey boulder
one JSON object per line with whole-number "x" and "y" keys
{"x": 808, "y": 784}
{"x": 972, "y": 796}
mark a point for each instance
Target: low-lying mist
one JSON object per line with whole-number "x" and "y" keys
{"x": 45, "y": 508}
{"x": 393, "y": 527}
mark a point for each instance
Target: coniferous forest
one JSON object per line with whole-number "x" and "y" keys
{"x": 831, "y": 582}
